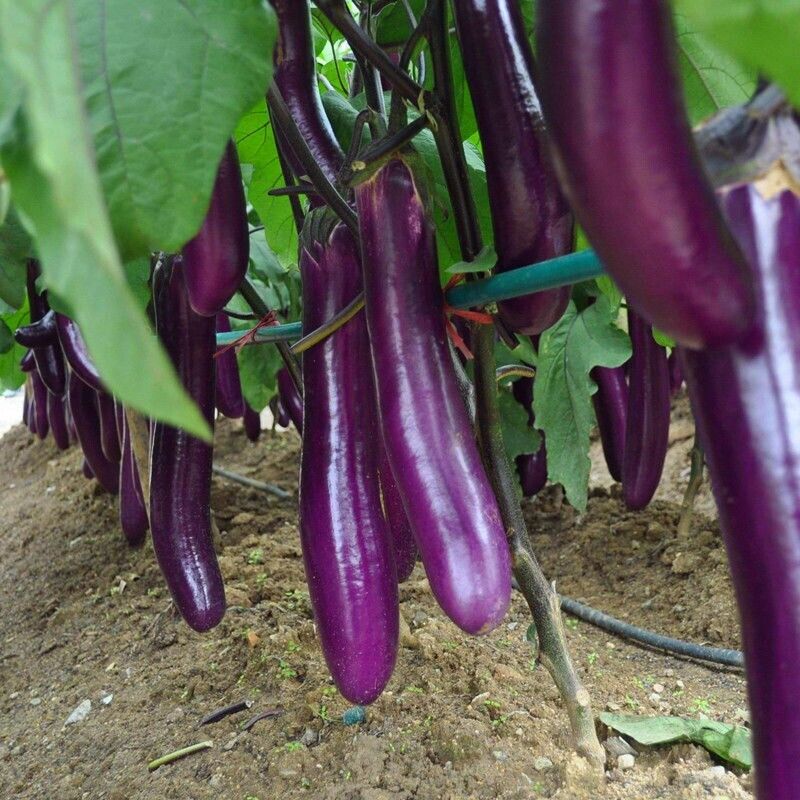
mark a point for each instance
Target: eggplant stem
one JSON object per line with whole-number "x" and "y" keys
{"x": 331, "y": 326}
{"x": 695, "y": 482}
{"x": 514, "y": 371}
{"x": 288, "y": 178}
{"x": 393, "y": 142}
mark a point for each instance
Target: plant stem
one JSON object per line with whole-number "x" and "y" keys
{"x": 324, "y": 331}
{"x": 253, "y": 299}
{"x": 174, "y": 756}
{"x": 695, "y": 482}
{"x": 288, "y": 177}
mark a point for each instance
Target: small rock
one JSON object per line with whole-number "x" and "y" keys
{"x": 13, "y": 696}
{"x": 231, "y": 743}
{"x": 542, "y": 764}
{"x": 215, "y": 781}
{"x": 658, "y": 688}
{"x": 419, "y": 619}
{"x": 680, "y": 684}
{"x": 669, "y": 673}
{"x": 106, "y": 699}
{"x": 512, "y": 626}
{"x": 616, "y": 746}
{"x": 654, "y": 699}
{"x": 626, "y": 761}
{"x": 610, "y": 706}
{"x": 709, "y": 778}
{"x": 500, "y": 755}
{"x": 309, "y": 738}
{"x": 610, "y": 646}
{"x": 35, "y": 701}
{"x": 685, "y": 563}
{"x": 479, "y": 698}
{"x": 80, "y": 713}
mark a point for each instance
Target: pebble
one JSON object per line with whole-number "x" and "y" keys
{"x": 500, "y": 755}
{"x": 658, "y": 688}
{"x": 611, "y": 706}
{"x": 654, "y": 699}
{"x": 106, "y": 699}
{"x": 479, "y": 698}
{"x": 542, "y": 764}
{"x": 310, "y": 737}
{"x": 680, "y": 684}
{"x": 80, "y": 713}
{"x": 669, "y": 673}
{"x": 35, "y": 701}
{"x": 626, "y": 761}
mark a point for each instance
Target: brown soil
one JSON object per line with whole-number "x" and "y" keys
{"x": 86, "y": 618}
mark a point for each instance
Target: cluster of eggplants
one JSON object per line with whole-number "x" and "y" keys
{"x": 531, "y": 467}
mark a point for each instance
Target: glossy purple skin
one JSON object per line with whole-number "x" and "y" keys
{"x": 48, "y": 358}
{"x": 74, "y": 349}
{"x": 296, "y": 77}
{"x": 86, "y": 470}
{"x": 252, "y": 423}
{"x": 40, "y": 406}
{"x": 229, "y": 399}
{"x": 180, "y": 464}
{"x": 647, "y": 425}
{"x": 58, "y": 421}
{"x": 83, "y": 407}
{"x": 109, "y": 435}
{"x": 404, "y": 547}
{"x": 530, "y": 216}
{"x": 611, "y": 409}
{"x": 346, "y": 546}
{"x": 132, "y": 510}
{"x": 290, "y": 399}
{"x": 27, "y": 363}
{"x": 38, "y": 334}
{"x": 432, "y": 453}
{"x": 746, "y": 401}
{"x": 614, "y": 107}
{"x": 282, "y": 415}
{"x": 215, "y": 261}
{"x": 675, "y": 373}
{"x": 532, "y": 470}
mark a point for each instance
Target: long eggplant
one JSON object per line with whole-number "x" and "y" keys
{"x": 132, "y": 509}
{"x": 180, "y": 464}
{"x": 26, "y": 403}
{"x": 614, "y": 108}
{"x": 252, "y": 423}
{"x": 83, "y": 408}
{"x": 38, "y": 334}
{"x": 346, "y": 547}
{"x": 530, "y": 216}
{"x": 40, "y": 405}
{"x": 229, "y": 398}
{"x": 675, "y": 373}
{"x": 296, "y": 77}
{"x": 432, "y": 453}
{"x": 403, "y": 545}
{"x": 531, "y": 467}
{"x": 745, "y": 400}
{"x": 611, "y": 409}
{"x": 74, "y": 349}
{"x": 56, "y": 417}
{"x": 109, "y": 434}
{"x": 49, "y": 361}
{"x": 647, "y": 425}
{"x": 290, "y": 398}
{"x": 215, "y": 261}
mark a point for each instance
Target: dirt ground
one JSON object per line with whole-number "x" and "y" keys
{"x": 85, "y": 618}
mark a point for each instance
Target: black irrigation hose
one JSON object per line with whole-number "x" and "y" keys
{"x": 716, "y": 655}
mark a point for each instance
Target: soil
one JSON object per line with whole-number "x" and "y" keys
{"x": 85, "y": 618}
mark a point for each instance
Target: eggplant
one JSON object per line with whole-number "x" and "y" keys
{"x": 109, "y": 434}
{"x": 57, "y": 419}
{"x": 48, "y": 358}
{"x": 532, "y": 470}
{"x": 27, "y": 363}
{"x": 252, "y": 423}
{"x": 531, "y": 218}
{"x": 86, "y": 470}
{"x": 26, "y": 404}
{"x": 346, "y": 548}
{"x": 229, "y": 399}
{"x": 745, "y": 400}
{"x": 432, "y": 453}
{"x": 611, "y": 409}
{"x": 40, "y": 405}
{"x": 675, "y": 373}
{"x": 38, "y": 334}
{"x": 647, "y": 425}
{"x": 613, "y": 102}
{"x": 180, "y": 464}
{"x": 74, "y": 349}
{"x": 215, "y": 260}
{"x": 83, "y": 408}
{"x": 289, "y": 399}
{"x": 404, "y": 547}
{"x": 296, "y": 76}
{"x": 132, "y": 509}
{"x": 282, "y": 417}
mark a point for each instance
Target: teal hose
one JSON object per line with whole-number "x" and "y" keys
{"x": 561, "y": 271}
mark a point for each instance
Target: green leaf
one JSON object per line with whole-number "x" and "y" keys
{"x": 484, "y": 262}
{"x": 256, "y": 146}
{"x": 662, "y": 338}
{"x": 50, "y": 163}
{"x": 711, "y": 78}
{"x": 562, "y": 390}
{"x": 730, "y": 742}
{"x": 6, "y": 337}
{"x": 15, "y": 247}
{"x": 392, "y": 23}
{"x": 258, "y": 366}
{"x": 165, "y": 83}
{"x": 518, "y": 437}
{"x": 762, "y": 34}
{"x": 10, "y": 100}
{"x": 11, "y": 376}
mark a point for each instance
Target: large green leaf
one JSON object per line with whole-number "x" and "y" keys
{"x": 763, "y": 34}
{"x": 563, "y": 389}
{"x": 165, "y": 83}
{"x": 15, "y": 247}
{"x": 11, "y": 376}
{"x": 50, "y": 162}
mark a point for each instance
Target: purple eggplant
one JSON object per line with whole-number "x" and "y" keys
{"x": 675, "y": 373}
{"x": 532, "y": 470}
{"x": 38, "y": 334}
{"x": 109, "y": 435}
{"x": 40, "y": 405}
{"x": 296, "y": 77}
{"x": 282, "y": 417}
{"x": 647, "y": 425}
{"x": 229, "y": 399}
{"x": 614, "y": 108}
{"x": 56, "y": 416}
{"x": 180, "y": 464}
{"x": 48, "y": 358}
{"x": 289, "y": 399}
{"x": 745, "y": 400}
{"x": 531, "y": 219}
{"x": 86, "y": 470}
{"x": 74, "y": 349}
{"x": 611, "y": 409}
{"x": 252, "y": 423}
{"x": 403, "y": 545}
{"x": 346, "y": 548}
{"x": 83, "y": 407}
{"x": 27, "y": 362}
{"x": 432, "y": 453}
{"x": 215, "y": 261}
{"x": 132, "y": 510}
